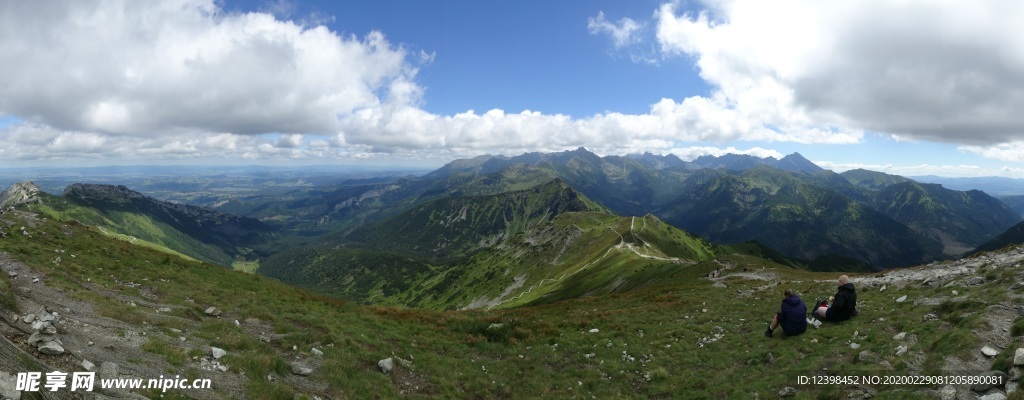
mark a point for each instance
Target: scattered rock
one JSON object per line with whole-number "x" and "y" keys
{"x": 218, "y": 352}
{"x": 595, "y": 330}
{"x": 901, "y": 350}
{"x": 88, "y": 366}
{"x": 386, "y": 365}
{"x": 719, "y": 285}
{"x": 1011, "y": 387}
{"x": 930, "y": 317}
{"x": 213, "y": 311}
{"x": 787, "y": 391}
{"x": 1018, "y": 357}
{"x": 975, "y": 281}
{"x": 956, "y": 293}
{"x": 301, "y": 369}
{"x": 316, "y": 352}
{"x": 854, "y": 346}
{"x": 29, "y": 318}
{"x": 993, "y": 396}
{"x": 882, "y": 289}
{"x": 238, "y": 324}
{"x": 988, "y": 351}
{"x": 901, "y": 299}
{"x": 495, "y": 326}
{"x": 899, "y": 336}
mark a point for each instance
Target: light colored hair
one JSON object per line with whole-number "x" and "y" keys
{"x": 789, "y": 292}
{"x": 843, "y": 279}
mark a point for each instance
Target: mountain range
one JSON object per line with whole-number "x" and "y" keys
{"x": 421, "y": 241}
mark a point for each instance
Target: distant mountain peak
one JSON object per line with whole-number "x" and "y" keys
{"x": 797, "y": 162}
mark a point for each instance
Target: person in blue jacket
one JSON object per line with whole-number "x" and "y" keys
{"x": 791, "y": 317}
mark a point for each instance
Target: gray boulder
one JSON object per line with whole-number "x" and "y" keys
{"x": 301, "y": 369}
{"x": 217, "y": 352}
{"x": 1018, "y": 357}
{"x": 787, "y": 391}
{"x": 213, "y": 311}
{"x": 51, "y": 347}
{"x": 386, "y": 365}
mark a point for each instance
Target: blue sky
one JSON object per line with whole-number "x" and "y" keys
{"x": 914, "y": 88}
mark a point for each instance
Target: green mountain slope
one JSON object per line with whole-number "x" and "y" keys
{"x": 871, "y": 179}
{"x": 1014, "y": 202}
{"x": 682, "y": 336}
{"x": 196, "y": 232}
{"x": 455, "y": 226}
{"x": 959, "y": 220}
{"x": 800, "y": 220}
{"x": 1013, "y": 236}
{"x": 572, "y": 254}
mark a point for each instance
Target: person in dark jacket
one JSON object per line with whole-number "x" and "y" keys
{"x": 791, "y": 316}
{"x": 844, "y": 303}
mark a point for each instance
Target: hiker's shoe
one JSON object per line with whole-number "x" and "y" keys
{"x": 768, "y": 332}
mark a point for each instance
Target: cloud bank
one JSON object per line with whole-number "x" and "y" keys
{"x": 183, "y": 78}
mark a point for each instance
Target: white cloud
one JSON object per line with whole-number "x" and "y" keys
{"x": 934, "y": 70}
{"x": 185, "y": 79}
{"x": 144, "y": 68}
{"x": 1013, "y": 151}
{"x": 623, "y": 33}
{"x": 289, "y": 141}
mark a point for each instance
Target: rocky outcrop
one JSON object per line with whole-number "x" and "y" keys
{"x": 44, "y": 332}
{"x": 18, "y": 194}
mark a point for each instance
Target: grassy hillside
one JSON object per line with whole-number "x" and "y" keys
{"x": 147, "y": 229}
{"x": 683, "y": 336}
{"x": 959, "y": 220}
{"x": 455, "y": 226}
{"x": 573, "y": 254}
{"x": 781, "y": 210}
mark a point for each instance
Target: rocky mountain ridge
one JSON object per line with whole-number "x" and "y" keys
{"x": 18, "y": 194}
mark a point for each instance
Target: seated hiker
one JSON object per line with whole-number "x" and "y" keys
{"x": 844, "y": 303}
{"x": 790, "y": 316}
